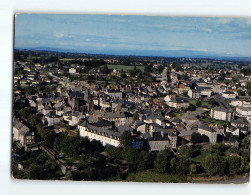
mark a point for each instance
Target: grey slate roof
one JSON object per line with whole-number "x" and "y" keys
{"x": 206, "y": 128}
{"x": 221, "y": 109}
{"x": 180, "y": 100}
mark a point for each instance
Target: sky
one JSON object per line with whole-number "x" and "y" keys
{"x": 129, "y": 35}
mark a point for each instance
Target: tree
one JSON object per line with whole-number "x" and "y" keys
{"x": 248, "y": 85}
{"x": 35, "y": 172}
{"x": 136, "y": 116}
{"x": 234, "y": 164}
{"x": 196, "y": 138}
{"x": 182, "y": 167}
{"x": 34, "y": 120}
{"x": 191, "y": 107}
{"x": 126, "y": 139}
{"x": 193, "y": 168}
{"x": 114, "y": 152}
{"x": 123, "y": 75}
{"x": 26, "y": 112}
{"x": 241, "y": 93}
{"x": 186, "y": 151}
{"x": 198, "y": 103}
{"x": 106, "y": 70}
{"x": 47, "y": 138}
{"x": 222, "y": 77}
{"x": 204, "y": 138}
{"x": 144, "y": 161}
{"x": 131, "y": 155}
{"x": 162, "y": 162}
{"x": 212, "y": 102}
{"x": 147, "y": 70}
{"x": 245, "y": 71}
{"x": 215, "y": 164}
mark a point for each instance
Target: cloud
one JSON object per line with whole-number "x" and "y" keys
{"x": 59, "y": 35}
{"x": 206, "y": 29}
{"x": 224, "y": 20}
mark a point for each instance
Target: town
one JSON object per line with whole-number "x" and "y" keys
{"x": 129, "y": 118}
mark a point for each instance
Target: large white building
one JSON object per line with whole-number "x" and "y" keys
{"x": 221, "y": 113}
{"x": 193, "y": 93}
{"x": 102, "y": 134}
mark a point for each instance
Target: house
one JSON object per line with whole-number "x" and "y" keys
{"x": 51, "y": 118}
{"x": 72, "y": 70}
{"x": 161, "y": 121}
{"x": 74, "y": 118}
{"x": 105, "y": 105}
{"x": 190, "y": 117}
{"x": 205, "y": 90}
{"x": 221, "y": 113}
{"x": 237, "y": 123}
{"x": 244, "y": 111}
{"x": 178, "y": 103}
{"x": 22, "y": 133}
{"x": 233, "y": 130}
{"x": 186, "y": 134}
{"x": 211, "y": 133}
{"x": 169, "y": 98}
{"x": 193, "y": 93}
{"x": 229, "y": 95}
{"x": 158, "y": 141}
{"x": 114, "y": 94}
{"x": 137, "y": 143}
{"x": 142, "y": 127}
{"x": 119, "y": 118}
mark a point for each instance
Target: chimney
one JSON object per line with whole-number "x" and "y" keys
{"x": 163, "y": 124}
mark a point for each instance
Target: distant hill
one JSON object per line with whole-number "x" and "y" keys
{"x": 167, "y": 53}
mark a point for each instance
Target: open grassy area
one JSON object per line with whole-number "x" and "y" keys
{"x": 178, "y": 115}
{"x": 201, "y": 157}
{"x": 209, "y": 121}
{"x": 149, "y": 176}
{"x": 125, "y": 68}
{"x": 204, "y": 103}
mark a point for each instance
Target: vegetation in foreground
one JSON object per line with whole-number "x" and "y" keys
{"x": 94, "y": 162}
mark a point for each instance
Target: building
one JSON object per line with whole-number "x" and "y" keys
{"x": 193, "y": 93}
{"x": 244, "y": 111}
{"x": 114, "y": 94}
{"x": 229, "y": 95}
{"x": 186, "y": 134}
{"x": 221, "y": 113}
{"x": 104, "y": 135}
{"x": 158, "y": 141}
{"x": 178, "y": 103}
{"x": 72, "y": 70}
{"x": 119, "y": 118}
{"x": 51, "y": 119}
{"x": 211, "y": 133}
{"x": 22, "y": 133}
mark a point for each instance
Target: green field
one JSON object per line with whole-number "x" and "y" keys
{"x": 209, "y": 121}
{"x": 200, "y": 158}
{"x": 125, "y": 68}
{"x": 204, "y": 103}
{"x": 149, "y": 176}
